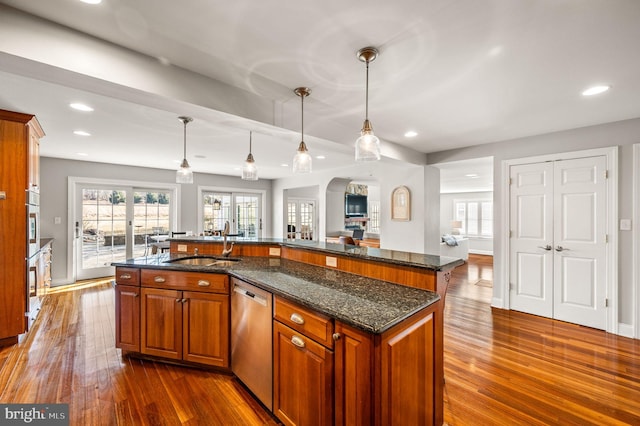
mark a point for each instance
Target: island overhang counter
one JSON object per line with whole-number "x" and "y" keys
{"x": 383, "y": 345}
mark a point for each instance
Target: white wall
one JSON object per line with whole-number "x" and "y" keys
{"x": 476, "y": 245}
{"x": 412, "y": 236}
{"x": 54, "y": 199}
{"x": 623, "y": 134}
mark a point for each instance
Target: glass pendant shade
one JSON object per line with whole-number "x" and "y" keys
{"x": 368, "y": 144}
{"x": 184, "y": 173}
{"x": 249, "y": 169}
{"x": 302, "y": 159}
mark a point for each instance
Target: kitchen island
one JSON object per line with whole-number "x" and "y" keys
{"x": 348, "y": 347}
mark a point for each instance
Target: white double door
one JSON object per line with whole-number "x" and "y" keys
{"x": 558, "y": 240}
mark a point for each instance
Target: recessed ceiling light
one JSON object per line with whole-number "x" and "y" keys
{"x": 91, "y": 1}
{"x": 81, "y": 133}
{"x": 495, "y": 51}
{"x": 595, "y": 90}
{"x": 472, "y": 175}
{"x": 82, "y": 154}
{"x": 320, "y": 157}
{"x": 200, "y": 156}
{"x": 284, "y": 165}
{"x": 81, "y": 107}
{"x": 411, "y": 134}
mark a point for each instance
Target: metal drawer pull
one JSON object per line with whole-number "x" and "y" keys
{"x": 297, "y": 318}
{"x": 159, "y": 279}
{"x": 178, "y": 300}
{"x": 125, "y": 276}
{"x": 204, "y": 283}
{"x": 184, "y": 300}
{"x": 297, "y": 341}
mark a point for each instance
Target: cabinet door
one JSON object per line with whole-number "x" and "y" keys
{"x": 34, "y": 161}
{"x": 128, "y": 317}
{"x": 303, "y": 379}
{"x": 161, "y": 331}
{"x": 409, "y": 372}
{"x": 206, "y": 328}
{"x": 353, "y": 376}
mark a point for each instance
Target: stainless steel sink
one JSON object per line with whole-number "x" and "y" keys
{"x": 204, "y": 261}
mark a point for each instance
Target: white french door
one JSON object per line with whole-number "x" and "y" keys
{"x": 114, "y": 222}
{"x": 301, "y": 219}
{"x": 558, "y": 259}
{"x": 243, "y": 211}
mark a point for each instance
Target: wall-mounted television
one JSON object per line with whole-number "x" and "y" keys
{"x": 355, "y": 205}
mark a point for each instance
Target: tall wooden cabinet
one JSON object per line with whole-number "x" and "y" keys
{"x": 19, "y": 172}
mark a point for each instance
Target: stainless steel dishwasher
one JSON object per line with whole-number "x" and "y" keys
{"x": 251, "y": 339}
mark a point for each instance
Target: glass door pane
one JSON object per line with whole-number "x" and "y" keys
{"x": 102, "y": 238}
{"x": 217, "y": 210}
{"x": 247, "y": 215}
{"x": 151, "y": 221}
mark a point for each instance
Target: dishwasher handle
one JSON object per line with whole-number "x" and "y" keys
{"x": 249, "y": 295}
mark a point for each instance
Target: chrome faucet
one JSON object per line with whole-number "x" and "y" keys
{"x": 226, "y": 251}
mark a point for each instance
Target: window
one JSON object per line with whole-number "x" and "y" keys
{"x": 374, "y": 217}
{"x": 476, "y": 217}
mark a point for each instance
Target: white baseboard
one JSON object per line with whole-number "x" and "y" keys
{"x": 485, "y": 252}
{"x": 497, "y": 303}
{"x": 626, "y": 330}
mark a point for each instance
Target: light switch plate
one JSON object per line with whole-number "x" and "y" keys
{"x": 331, "y": 261}
{"x": 625, "y": 224}
{"x": 182, "y": 247}
{"x": 57, "y": 220}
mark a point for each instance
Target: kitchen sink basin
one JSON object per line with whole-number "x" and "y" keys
{"x": 205, "y": 261}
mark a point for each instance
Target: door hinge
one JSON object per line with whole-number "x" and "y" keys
{"x": 511, "y": 286}
{"x": 510, "y": 233}
{"x": 510, "y": 181}
{"x": 606, "y": 303}
{"x": 606, "y": 174}
{"x": 606, "y": 238}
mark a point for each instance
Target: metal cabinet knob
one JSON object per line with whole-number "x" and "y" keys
{"x": 298, "y": 341}
{"x": 297, "y": 318}
{"x": 336, "y": 336}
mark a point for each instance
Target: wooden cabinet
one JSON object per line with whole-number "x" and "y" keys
{"x": 393, "y": 378}
{"x": 174, "y": 315}
{"x": 128, "y": 317}
{"x": 18, "y": 134}
{"x": 302, "y": 365}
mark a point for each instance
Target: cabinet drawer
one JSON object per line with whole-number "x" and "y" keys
{"x": 313, "y": 325}
{"x": 129, "y": 276}
{"x": 198, "y": 281}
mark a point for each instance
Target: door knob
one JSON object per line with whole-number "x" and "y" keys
{"x": 547, "y": 247}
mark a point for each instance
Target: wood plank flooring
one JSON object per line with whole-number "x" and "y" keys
{"x": 501, "y": 368}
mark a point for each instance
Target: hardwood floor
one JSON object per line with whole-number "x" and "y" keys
{"x": 509, "y": 368}
{"x": 501, "y": 368}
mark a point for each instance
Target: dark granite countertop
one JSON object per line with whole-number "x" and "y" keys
{"x": 419, "y": 260}
{"x": 367, "y": 304}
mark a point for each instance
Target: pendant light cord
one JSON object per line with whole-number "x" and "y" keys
{"x": 250, "y": 142}
{"x": 185, "y": 139}
{"x": 302, "y": 115}
{"x": 366, "y": 102}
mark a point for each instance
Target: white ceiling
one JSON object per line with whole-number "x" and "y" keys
{"x": 460, "y": 73}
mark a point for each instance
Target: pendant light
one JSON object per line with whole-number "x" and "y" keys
{"x": 368, "y": 144}
{"x": 249, "y": 170}
{"x": 184, "y": 173}
{"x": 302, "y": 159}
